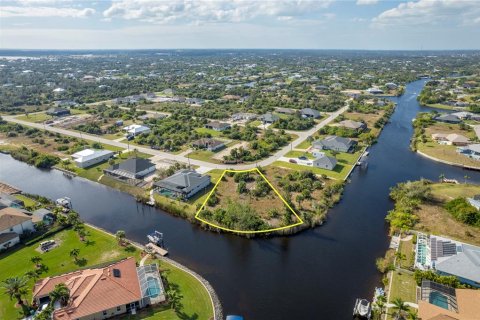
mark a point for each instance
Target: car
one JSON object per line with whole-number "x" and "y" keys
{"x": 302, "y": 158}
{"x": 130, "y": 137}
{"x": 154, "y": 147}
{"x": 292, "y": 161}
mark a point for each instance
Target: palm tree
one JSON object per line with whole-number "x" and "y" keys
{"x": 120, "y": 235}
{"x": 400, "y": 308}
{"x": 173, "y": 298}
{"x": 441, "y": 177}
{"x": 36, "y": 260}
{"x": 61, "y": 293}
{"x": 413, "y": 315}
{"x": 32, "y": 274}
{"x": 380, "y": 303}
{"x": 74, "y": 254}
{"x": 15, "y": 287}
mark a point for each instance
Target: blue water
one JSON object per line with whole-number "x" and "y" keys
{"x": 153, "y": 287}
{"x": 439, "y": 300}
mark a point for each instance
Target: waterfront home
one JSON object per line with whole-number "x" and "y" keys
{"x": 218, "y": 126}
{"x": 136, "y": 129}
{"x": 43, "y": 215}
{"x": 310, "y": 113}
{"x": 103, "y": 292}
{"x": 374, "y": 90}
{"x": 471, "y": 151}
{"x": 58, "y": 112}
{"x": 464, "y": 115}
{"x": 208, "y": 144}
{"x": 183, "y": 184}
{"x": 13, "y": 223}
{"x": 449, "y": 257}
{"x": 90, "y": 157}
{"x": 391, "y": 86}
{"x": 354, "y": 94}
{"x": 440, "y": 302}
{"x": 325, "y": 162}
{"x": 8, "y": 200}
{"x": 269, "y": 118}
{"x": 134, "y": 168}
{"x": 335, "y": 143}
{"x": 448, "y": 118}
{"x": 450, "y": 139}
{"x": 353, "y": 125}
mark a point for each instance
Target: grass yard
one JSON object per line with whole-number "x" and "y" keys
{"x": 203, "y": 155}
{"x": 403, "y": 286}
{"x": 212, "y": 132}
{"x": 446, "y": 153}
{"x": 440, "y": 106}
{"x": 28, "y": 201}
{"x": 407, "y": 248}
{"x": 35, "y": 117}
{"x": 297, "y": 154}
{"x": 305, "y": 144}
{"x": 339, "y": 173}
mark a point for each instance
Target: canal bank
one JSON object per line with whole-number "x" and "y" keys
{"x": 319, "y": 272}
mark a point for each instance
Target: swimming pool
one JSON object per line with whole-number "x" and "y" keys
{"x": 438, "y": 299}
{"x": 153, "y": 287}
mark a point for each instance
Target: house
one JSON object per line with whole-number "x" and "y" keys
{"x": 65, "y": 103}
{"x": 310, "y": 113}
{"x": 374, "y": 91}
{"x": 13, "y": 223}
{"x": 43, "y": 215}
{"x": 244, "y": 116}
{"x": 89, "y": 157}
{"x": 285, "y": 111}
{"x": 391, "y": 86}
{"x": 269, "y": 118}
{"x": 58, "y": 90}
{"x": 136, "y": 129}
{"x": 447, "y": 118}
{"x": 104, "y": 292}
{"x": 353, "y": 125}
{"x": 471, "y": 151}
{"x": 464, "y": 115}
{"x": 133, "y": 168}
{"x": 183, "y": 184}
{"x": 325, "y": 162}
{"x": 218, "y": 126}
{"x": 58, "y": 112}
{"x": 208, "y": 144}
{"x": 335, "y": 143}
{"x": 450, "y": 139}
{"x": 8, "y": 200}
{"x": 354, "y": 94}
{"x": 440, "y": 302}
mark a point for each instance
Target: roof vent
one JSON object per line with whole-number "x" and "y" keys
{"x": 116, "y": 273}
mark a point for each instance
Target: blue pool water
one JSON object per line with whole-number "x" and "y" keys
{"x": 439, "y": 300}
{"x": 153, "y": 287}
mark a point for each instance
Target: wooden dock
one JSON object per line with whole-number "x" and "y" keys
{"x": 157, "y": 249}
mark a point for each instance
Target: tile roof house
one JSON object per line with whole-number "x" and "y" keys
{"x": 450, "y": 139}
{"x": 13, "y": 223}
{"x": 208, "y": 144}
{"x": 183, "y": 184}
{"x": 133, "y": 168}
{"x": 310, "y": 113}
{"x": 350, "y": 124}
{"x": 335, "y": 143}
{"x": 217, "y": 126}
{"x": 89, "y": 157}
{"x": 101, "y": 293}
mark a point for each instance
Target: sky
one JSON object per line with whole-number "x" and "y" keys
{"x": 289, "y": 24}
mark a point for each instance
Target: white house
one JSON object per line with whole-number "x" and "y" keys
{"x": 13, "y": 223}
{"x": 136, "y": 129}
{"x": 90, "y": 157}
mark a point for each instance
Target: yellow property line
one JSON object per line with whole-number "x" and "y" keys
{"x": 243, "y": 231}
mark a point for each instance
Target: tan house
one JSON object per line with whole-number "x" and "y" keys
{"x": 354, "y": 125}
{"x": 450, "y": 139}
{"x": 101, "y": 293}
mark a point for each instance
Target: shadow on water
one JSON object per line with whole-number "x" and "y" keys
{"x": 317, "y": 273}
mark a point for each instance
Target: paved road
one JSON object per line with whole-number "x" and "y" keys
{"x": 302, "y": 135}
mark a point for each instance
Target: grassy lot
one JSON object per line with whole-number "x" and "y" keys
{"x": 407, "y": 248}
{"x": 103, "y": 248}
{"x": 296, "y": 154}
{"x": 447, "y": 153}
{"x": 339, "y": 173}
{"x": 440, "y": 106}
{"x": 36, "y": 117}
{"x": 203, "y": 155}
{"x": 305, "y": 144}
{"x": 255, "y": 123}
{"x": 28, "y": 201}
{"x": 212, "y": 132}
{"x": 403, "y": 286}
{"x": 114, "y": 183}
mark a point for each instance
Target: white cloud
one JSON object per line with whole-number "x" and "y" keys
{"x": 366, "y": 2}
{"x": 435, "y": 12}
{"x": 205, "y": 11}
{"x": 28, "y": 11}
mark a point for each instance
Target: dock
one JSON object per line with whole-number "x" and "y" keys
{"x": 8, "y": 189}
{"x": 157, "y": 249}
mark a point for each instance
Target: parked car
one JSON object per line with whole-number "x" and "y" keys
{"x": 130, "y": 137}
{"x": 154, "y": 147}
{"x": 302, "y": 158}
{"x": 292, "y": 161}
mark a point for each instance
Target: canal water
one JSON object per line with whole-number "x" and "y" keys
{"x": 316, "y": 274}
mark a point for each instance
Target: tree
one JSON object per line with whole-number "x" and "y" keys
{"x": 61, "y": 293}
{"x": 400, "y": 257}
{"x": 174, "y": 298}
{"x": 120, "y": 235}
{"x": 400, "y": 308}
{"x": 380, "y": 304}
{"x": 15, "y": 287}
{"x": 74, "y": 254}
{"x": 36, "y": 260}
{"x": 413, "y": 315}
{"x": 32, "y": 274}
{"x": 441, "y": 177}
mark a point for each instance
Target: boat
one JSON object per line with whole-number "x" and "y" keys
{"x": 64, "y": 202}
{"x": 156, "y": 238}
{"x": 362, "y": 309}
{"x": 234, "y": 317}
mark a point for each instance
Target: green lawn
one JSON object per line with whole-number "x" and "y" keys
{"x": 195, "y": 300}
{"x": 36, "y": 118}
{"x": 448, "y": 191}
{"x": 203, "y": 155}
{"x": 446, "y": 153}
{"x": 407, "y": 248}
{"x": 212, "y": 132}
{"x": 28, "y": 201}
{"x": 296, "y": 154}
{"x": 305, "y": 144}
{"x": 440, "y": 106}
{"x": 255, "y": 123}
{"x": 403, "y": 286}
{"x": 339, "y": 173}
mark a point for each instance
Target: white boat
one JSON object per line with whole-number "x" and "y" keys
{"x": 362, "y": 309}
{"x": 156, "y": 238}
{"x": 65, "y": 202}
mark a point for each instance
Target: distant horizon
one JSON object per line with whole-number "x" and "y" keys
{"x": 220, "y": 48}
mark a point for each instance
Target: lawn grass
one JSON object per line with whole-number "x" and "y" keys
{"x": 26, "y": 200}
{"x": 305, "y": 144}
{"x": 212, "y": 132}
{"x": 297, "y": 154}
{"x": 446, "y": 153}
{"x": 407, "y": 248}
{"x": 35, "y": 117}
{"x": 404, "y": 287}
{"x": 449, "y": 191}
{"x": 255, "y": 123}
{"x": 119, "y": 185}
{"x": 440, "y": 106}
{"x": 339, "y": 173}
{"x": 203, "y": 155}
{"x": 16, "y": 262}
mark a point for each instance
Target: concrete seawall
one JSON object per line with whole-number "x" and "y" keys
{"x": 448, "y": 162}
